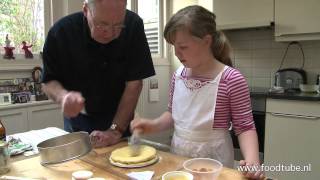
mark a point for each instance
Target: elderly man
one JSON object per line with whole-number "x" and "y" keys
{"x": 94, "y": 62}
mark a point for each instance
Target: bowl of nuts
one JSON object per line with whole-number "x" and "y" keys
{"x": 203, "y": 168}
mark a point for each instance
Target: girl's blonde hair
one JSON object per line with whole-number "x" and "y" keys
{"x": 199, "y": 22}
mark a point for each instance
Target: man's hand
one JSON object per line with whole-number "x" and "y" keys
{"x": 105, "y": 138}
{"x": 72, "y": 103}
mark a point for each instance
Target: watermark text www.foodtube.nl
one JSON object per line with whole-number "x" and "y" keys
{"x": 277, "y": 168}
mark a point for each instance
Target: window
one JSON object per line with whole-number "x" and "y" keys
{"x": 151, "y": 11}
{"x": 22, "y": 20}
{"x": 129, "y": 5}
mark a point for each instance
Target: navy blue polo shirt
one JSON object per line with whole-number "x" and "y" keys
{"x": 98, "y": 71}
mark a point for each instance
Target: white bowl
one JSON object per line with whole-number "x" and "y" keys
{"x": 82, "y": 175}
{"x": 177, "y": 175}
{"x": 310, "y": 88}
{"x": 203, "y": 168}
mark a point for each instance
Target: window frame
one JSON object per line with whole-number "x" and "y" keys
{"x": 164, "y": 10}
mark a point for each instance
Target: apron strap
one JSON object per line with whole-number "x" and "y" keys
{"x": 200, "y": 136}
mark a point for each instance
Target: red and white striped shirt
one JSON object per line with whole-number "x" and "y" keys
{"x": 233, "y": 101}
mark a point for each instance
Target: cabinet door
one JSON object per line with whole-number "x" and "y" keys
{"x": 235, "y": 14}
{"x": 14, "y": 120}
{"x": 297, "y": 20}
{"x": 45, "y": 116}
{"x": 292, "y": 140}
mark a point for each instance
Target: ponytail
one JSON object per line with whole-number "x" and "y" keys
{"x": 200, "y": 22}
{"x": 221, "y": 48}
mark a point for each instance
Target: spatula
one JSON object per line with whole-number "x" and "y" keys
{"x": 134, "y": 142}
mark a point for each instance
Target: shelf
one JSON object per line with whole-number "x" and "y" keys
{"x": 28, "y": 104}
{"x": 19, "y": 64}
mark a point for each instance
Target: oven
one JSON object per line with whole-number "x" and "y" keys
{"x": 258, "y": 103}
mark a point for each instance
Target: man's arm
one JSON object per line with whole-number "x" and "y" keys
{"x": 128, "y": 104}
{"x": 54, "y": 91}
{"x": 71, "y": 102}
{"x": 122, "y": 117}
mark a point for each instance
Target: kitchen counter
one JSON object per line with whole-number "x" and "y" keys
{"x": 97, "y": 162}
{"x": 28, "y": 104}
{"x": 295, "y": 96}
{"x": 264, "y": 92}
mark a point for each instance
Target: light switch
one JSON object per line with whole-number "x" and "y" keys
{"x": 153, "y": 95}
{"x": 153, "y": 84}
{"x": 153, "y": 90}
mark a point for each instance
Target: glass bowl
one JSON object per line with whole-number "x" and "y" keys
{"x": 203, "y": 168}
{"x": 309, "y": 88}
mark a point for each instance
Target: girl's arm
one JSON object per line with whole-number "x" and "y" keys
{"x": 248, "y": 142}
{"x": 148, "y": 126}
{"x": 164, "y": 122}
{"x": 243, "y": 124}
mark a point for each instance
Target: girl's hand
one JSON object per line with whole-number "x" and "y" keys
{"x": 252, "y": 170}
{"x": 144, "y": 126}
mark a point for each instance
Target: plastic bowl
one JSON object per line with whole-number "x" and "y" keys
{"x": 203, "y": 168}
{"x": 177, "y": 175}
{"x": 310, "y": 88}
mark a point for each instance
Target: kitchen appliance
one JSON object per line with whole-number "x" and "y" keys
{"x": 290, "y": 78}
{"x": 5, "y": 98}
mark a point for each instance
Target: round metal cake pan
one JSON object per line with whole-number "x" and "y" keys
{"x": 64, "y": 148}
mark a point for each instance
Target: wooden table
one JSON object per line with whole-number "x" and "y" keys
{"x": 97, "y": 162}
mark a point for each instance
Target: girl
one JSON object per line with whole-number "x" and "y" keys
{"x": 206, "y": 94}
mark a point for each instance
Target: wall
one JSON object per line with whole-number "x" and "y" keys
{"x": 61, "y": 8}
{"x": 155, "y": 109}
{"x": 258, "y": 56}
{"x": 74, "y": 6}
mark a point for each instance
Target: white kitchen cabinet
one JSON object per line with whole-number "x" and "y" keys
{"x": 40, "y": 117}
{"x": 14, "y": 120}
{"x": 297, "y": 20}
{"x": 236, "y": 14}
{"x": 19, "y": 118}
{"x": 292, "y": 138}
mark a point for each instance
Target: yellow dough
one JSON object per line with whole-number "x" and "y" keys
{"x": 124, "y": 155}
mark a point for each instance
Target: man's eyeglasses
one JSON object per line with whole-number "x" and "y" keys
{"x": 105, "y": 27}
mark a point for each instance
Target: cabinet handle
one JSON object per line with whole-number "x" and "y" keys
{"x": 296, "y": 116}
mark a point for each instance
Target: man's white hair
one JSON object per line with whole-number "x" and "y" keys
{"x": 91, "y": 3}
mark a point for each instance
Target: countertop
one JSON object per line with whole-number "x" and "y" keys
{"x": 28, "y": 104}
{"x": 264, "y": 92}
{"x": 101, "y": 167}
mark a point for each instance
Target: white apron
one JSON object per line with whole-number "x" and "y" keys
{"x": 193, "y": 113}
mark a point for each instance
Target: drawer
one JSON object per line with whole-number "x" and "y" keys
{"x": 294, "y": 107}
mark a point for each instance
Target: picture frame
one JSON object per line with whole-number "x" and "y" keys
{"x": 39, "y": 94}
{"x": 36, "y": 74}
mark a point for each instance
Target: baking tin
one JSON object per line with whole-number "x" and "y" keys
{"x": 64, "y": 148}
